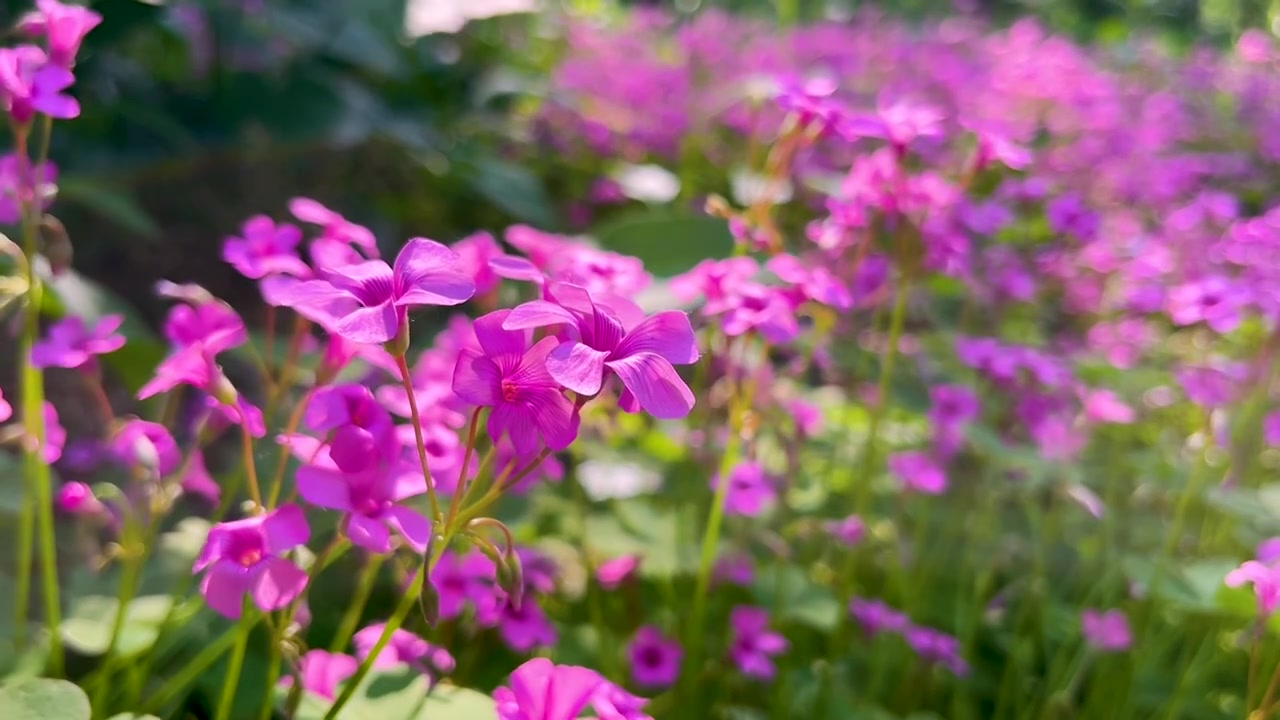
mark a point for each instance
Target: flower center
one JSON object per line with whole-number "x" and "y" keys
{"x": 510, "y": 391}
{"x": 249, "y": 556}
{"x": 651, "y": 656}
{"x": 371, "y": 506}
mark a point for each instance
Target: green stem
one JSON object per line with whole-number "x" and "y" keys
{"x": 175, "y": 685}
{"x": 32, "y": 383}
{"x": 273, "y": 676}
{"x": 407, "y": 382}
{"x": 897, "y": 319}
{"x": 129, "y": 580}
{"x": 407, "y": 601}
{"x": 232, "y": 680}
{"x": 347, "y": 628}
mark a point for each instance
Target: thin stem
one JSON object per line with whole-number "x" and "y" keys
{"x": 870, "y": 451}
{"x": 364, "y": 588}
{"x": 232, "y": 679}
{"x": 273, "y": 676}
{"x": 295, "y": 419}
{"x": 407, "y": 382}
{"x": 250, "y": 467}
{"x": 455, "y": 502}
{"x": 407, "y": 601}
{"x": 201, "y": 662}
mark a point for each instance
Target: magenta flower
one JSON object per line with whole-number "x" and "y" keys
{"x": 6, "y": 410}
{"x": 1265, "y": 580}
{"x": 643, "y": 357}
{"x": 611, "y": 574}
{"x": 474, "y": 255}
{"x": 146, "y": 444}
{"x": 460, "y": 580}
{"x": 368, "y": 302}
{"x": 1216, "y": 301}
{"x": 735, "y": 569}
{"x": 937, "y": 647}
{"x": 750, "y": 490}
{"x": 655, "y": 660}
{"x": 333, "y": 226}
{"x": 512, "y": 378}
{"x": 75, "y": 498}
{"x": 322, "y": 672}
{"x": 611, "y": 702}
{"x": 64, "y": 27}
{"x": 266, "y": 249}
{"x": 55, "y": 436}
{"x": 17, "y": 188}
{"x": 69, "y": 344}
{"x": 29, "y": 84}
{"x": 1270, "y": 428}
{"x": 1106, "y": 631}
{"x": 404, "y": 648}
{"x": 1103, "y": 406}
{"x": 848, "y": 532}
{"x": 245, "y": 556}
{"x": 917, "y": 471}
{"x": 1268, "y": 551}
{"x": 526, "y": 627}
{"x": 876, "y": 617}
{"x": 365, "y": 480}
{"x": 541, "y": 690}
{"x": 754, "y": 644}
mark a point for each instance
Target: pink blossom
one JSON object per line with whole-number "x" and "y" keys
{"x": 29, "y": 84}
{"x": 75, "y": 498}
{"x": 655, "y": 659}
{"x": 750, "y": 490}
{"x": 541, "y": 690}
{"x": 6, "y": 410}
{"x": 64, "y": 27}
{"x": 1265, "y": 579}
{"x": 611, "y": 574}
{"x": 1103, "y": 406}
{"x": 404, "y": 648}
{"x": 917, "y": 471}
{"x": 265, "y": 249}
{"x": 1106, "y": 631}
{"x": 69, "y": 344}
{"x": 322, "y": 672}
{"x": 246, "y": 556}
{"x": 754, "y": 645}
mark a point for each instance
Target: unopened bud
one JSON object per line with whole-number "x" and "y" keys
{"x": 55, "y": 244}
{"x": 429, "y": 602}
{"x": 398, "y": 345}
{"x": 511, "y": 579}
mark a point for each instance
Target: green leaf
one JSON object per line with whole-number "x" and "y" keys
{"x": 641, "y": 528}
{"x": 87, "y": 628}
{"x": 514, "y": 189}
{"x": 668, "y": 242}
{"x": 403, "y": 695}
{"x": 132, "y": 716}
{"x": 789, "y": 592}
{"x": 43, "y": 699}
{"x": 110, "y": 202}
{"x": 73, "y": 294}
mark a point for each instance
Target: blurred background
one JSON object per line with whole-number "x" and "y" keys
{"x": 414, "y": 118}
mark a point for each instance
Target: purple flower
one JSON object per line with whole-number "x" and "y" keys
{"x": 1103, "y": 406}
{"x": 1268, "y": 551}
{"x": 1216, "y": 301}
{"x": 64, "y": 27}
{"x": 6, "y": 410}
{"x": 749, "y": 491}
{"x": 146, "y": 444}
{"x": 17, "y": 189}
{"x": 266, "y": 249}
{"x": 244, "y": 556}
{"x": 526, "y": 627}
{"x": 1265, "y": 580}
{"x": 365, "y": 479}
{"x": 735, "y": 569}
{"x": 333, "y": 226}
{"x": 655, "y": 660}
{"x": 541, "y": 690}
{"x": 404, "y": 648}
{"x": 29, "y": 83}
{"x": 752, "y": 306}
{"x": 75, "y": 498}
{"x": 1106, "y": 631}
{"x": 876, "y": 617}
{"x": 512, "y": 378}
{"x": 611, "y": 702}
{"x": 55, "y": 436}
{"x": 754, "y": 645}
{"x": 69, "y": 344}
{"x": 611, "y": 574}
{"x": 322, "y": 672}
{"x": 917, "y": 471}
{"x": 462, "y": 579}
{"x": 937, "y": 647}
{"x": 474, "y": 254}
{"x": 368, "y": 302}
{"x": 642, "y": 356}
{"x": 848, "y": 531}
{"x": 1270, "y": 428}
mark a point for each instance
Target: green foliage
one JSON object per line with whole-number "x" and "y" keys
{"x": 43, "y": 699}
{"x": 404, "y": 695}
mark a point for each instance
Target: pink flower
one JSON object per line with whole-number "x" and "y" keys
{"x": 1106, "y": 631}
{"x": 1216, "y": 301}
{"x": 462, "y": 579}
{"x": 55, "y": 436}
{"x": 333, "y": 226}
{"x": 541, "y": 690}
{"x": 512, "y": 378}
{"x": 1103, "y": 406}
{"x": 754, "y": 645}
{"x": 474, "y": 255}
{"x": 245, "y": 556}
{"x": 323, "y": 671}
{"x": 917, "y": 471}
{"x": 29, "y": 83}
{"x": 655, "y": 660}
{"x": 75, "y": 498}
{"x": 1268, "y": 551}
{"x": 366, "y": 479}
{"x": 146, "y": 444}
{"x": 643, "y": 356}
{"x": 526, "y": 627}
{"x": 368, "y": 302}
{"x": 63, "y": 26}
{"x": 266, "y": 249}
{"x": 937, "y": 647}
{"x": 735, "y": 569}
{"x": 69, "y": 344}
{"x": 6, "y": 410}
{"x": 611, "y": 574}
{"x": 876, "y": 617}
{"x": 848, "y": 531}
{"x": 1265, "y": 580}
{"x": 1270, "y": 428}
{"x": 17, "y": 189}
{"x": 404, "y": 648}
{"x": 749, "y": 491}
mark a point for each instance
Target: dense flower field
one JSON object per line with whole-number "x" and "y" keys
{"x": 935, "y": 380}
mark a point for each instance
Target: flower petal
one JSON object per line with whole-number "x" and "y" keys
{"x": 555, "y": 418}
{"x": 655, "y": 384}
{"x": 518, "y": 422}
{"x": 577, "y": 367}
{"x": 428, "y": 273}
{"x": 279, "y": 583}
{"x": 224, "y": 586}
{"x": 286, "y": 528}
{"x": 412, "y": 526}
{"x": 324, "y": 488}
{"x": 668, "y": 334}
{"x": 476, "y": 379}
{"x": 538, "y": 313}
{"x": 373, "y": 325}
{"x": 494, "y": 340}
{"x": 368, "y": 533}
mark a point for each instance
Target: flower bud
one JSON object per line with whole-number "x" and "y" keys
{"x": 55, "y": 244}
